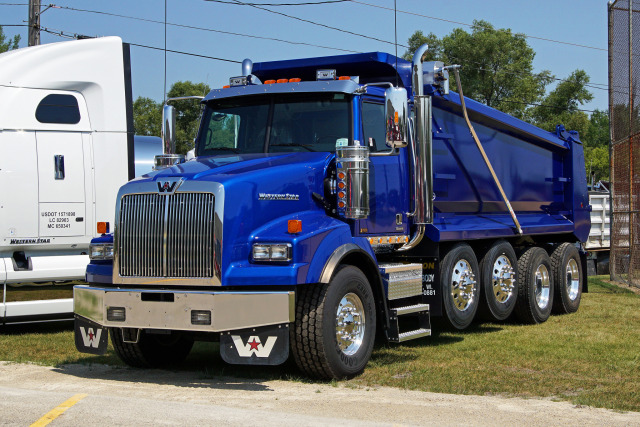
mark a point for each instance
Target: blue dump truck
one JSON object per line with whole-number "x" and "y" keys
{"x": 332, "y": 201}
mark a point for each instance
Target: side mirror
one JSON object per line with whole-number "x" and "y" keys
{"x": 169, "y": 129}
{"x": 396, "y": 109}
{"x": 169, "y": 158}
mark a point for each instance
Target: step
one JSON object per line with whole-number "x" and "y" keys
{"x": 412, "y": 335}
{"x": 402, "y": 280}
{"x": 409, "y": 309}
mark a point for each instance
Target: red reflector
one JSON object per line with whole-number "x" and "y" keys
{"x": 103, "y": 227}
{"x": 294, "y": 226}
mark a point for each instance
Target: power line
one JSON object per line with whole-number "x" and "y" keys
{"x": 284, "y": 4}
{"x": 192, "y": 27}
{"x": 63, "y": 34}
{"x": 238, "y": 2}
{"x": 471, "y": 25}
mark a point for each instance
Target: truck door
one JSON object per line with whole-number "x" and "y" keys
{"x": 61, "y": 174}
{"x": 388, "y": 177}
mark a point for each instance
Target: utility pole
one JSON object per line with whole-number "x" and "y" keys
{"x": 34, "y": 22}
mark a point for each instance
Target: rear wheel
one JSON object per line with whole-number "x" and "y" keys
{"x": 460, "y": 289}
{"x": 567, "y": 272}
{"x": 151, "y": 350}
{"x": 498, "y": 269}
{"x": 335, "y": 326}
{"x": 535, "y": 286}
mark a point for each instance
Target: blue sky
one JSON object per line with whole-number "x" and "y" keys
{"x": 582, "y": 22}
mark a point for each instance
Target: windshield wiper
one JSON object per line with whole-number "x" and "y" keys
{"x": 233, "y": 150}
{"x": 306, "y": 147}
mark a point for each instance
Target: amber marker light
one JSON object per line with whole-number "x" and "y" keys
{"x": 341, "y": 185}
{"x": 294, "y": 226}
{"x": 295, "y": 80}
{"x": 344, "y": 78}
{"x": 269, "y": 82}
{"x": 341, "y": 195}
{"x": 283, "y": 81}
{"x": 103, "y": 227}
{"x": 341, "y": 175}
{"x": 226, "y": 87}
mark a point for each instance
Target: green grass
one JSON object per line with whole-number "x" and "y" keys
{"x": 590, "y": 357}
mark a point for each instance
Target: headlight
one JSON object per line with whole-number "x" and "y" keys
{"x": 101, "y": 251}
{"x": 277, "y": 252}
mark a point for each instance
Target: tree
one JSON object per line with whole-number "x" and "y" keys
{"x": 188, "y": 112}
{"x": 8, "y": 44}
{"x": 497, "y": 65}
{"x": 596, "y": 145}
{"x": 147, "y": 114}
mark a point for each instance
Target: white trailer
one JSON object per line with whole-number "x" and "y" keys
{"x": 66, "y": 146}
{"x": 599, "y": 242}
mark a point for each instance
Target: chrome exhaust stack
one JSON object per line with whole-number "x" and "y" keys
{"x": 421, "y": 147}
{"x": 168, "y": 135}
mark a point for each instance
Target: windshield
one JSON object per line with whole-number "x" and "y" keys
{"x": 274, "y": 124}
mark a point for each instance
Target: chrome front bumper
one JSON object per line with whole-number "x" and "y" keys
{"x": 171, "y": 310}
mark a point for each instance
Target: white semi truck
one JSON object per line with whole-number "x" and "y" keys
{"x": 66, "y": 146}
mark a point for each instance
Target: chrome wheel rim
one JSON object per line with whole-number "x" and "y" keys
{"x": 543, "y": 286}
{"x": 573, "y": 279}
{"x": 463, "y": 289}
{"x": 350, "y": 324}
{"x": 503, "y": 279}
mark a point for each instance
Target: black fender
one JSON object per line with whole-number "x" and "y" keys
{"x": 352, "y": 254}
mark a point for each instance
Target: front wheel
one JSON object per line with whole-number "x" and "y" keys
{"x": 335, "y": 326}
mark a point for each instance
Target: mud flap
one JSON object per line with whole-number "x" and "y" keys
{"x": 267, "y": 345}
{"x": 90, "y": 337}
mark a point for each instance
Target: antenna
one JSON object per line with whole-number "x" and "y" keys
{"x": 165, "y": 52}
{"x": 395, "y": 30}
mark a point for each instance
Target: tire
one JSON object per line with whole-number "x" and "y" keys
{"x": 498, "y": 270}
{"x": 151, "y": 351}
{"x": 535, "y": 286}
{"x": 567, "y": 273}
{"x": 326, "y": 342}
{"x": 460, "y": 288}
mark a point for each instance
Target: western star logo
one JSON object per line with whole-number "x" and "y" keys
{"x": 168, "y": 186}
{"x": 90, "y": 338}
{"x": 28, "y": 241}
{"x": 269, "y": 196}
{"x": 253, "y": 346}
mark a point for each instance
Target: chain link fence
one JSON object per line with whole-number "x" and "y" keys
{"x": 624, "y": 111}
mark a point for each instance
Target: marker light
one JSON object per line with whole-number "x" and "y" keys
{"x": 341, "y": 175}
{"x": 341, "y": 195}
{"x": 282, "y": 81}
{"x": 295, "y": 80}
{"x": 294, "y": 226}
{"x": 226, "y": 87}
{"x": 269, "y": 82}
{"x": 344, "y": 78}
{"x": 103, "y": 227}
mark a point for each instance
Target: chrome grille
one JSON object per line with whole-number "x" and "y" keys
{"x": 166, "y": 235}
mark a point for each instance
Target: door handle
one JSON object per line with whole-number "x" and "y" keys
{"x": 58, "y": 160}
